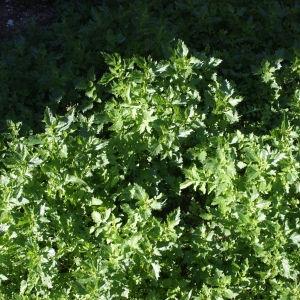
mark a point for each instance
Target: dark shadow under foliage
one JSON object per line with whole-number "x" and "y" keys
{"x": 50, "y": 66}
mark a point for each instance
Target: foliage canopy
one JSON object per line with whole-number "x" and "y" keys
{"x": 151, "y": 151}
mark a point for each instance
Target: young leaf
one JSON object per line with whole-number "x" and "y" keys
{"x": 241, "y": 165}
{"x": 173, "y": 218}
{"x": 286, "y": 268}
{"x": 96, "y": 201}
{"x": 139, "y": 193}
{"x": 295, "y": 238}
{"x": 48, "y": 117}
{"x": 235, "y": 101}
{"x": 96, "y": 216}
{"x": 182, "y": 49}
{"x": 186, "y": 184}
{"x": 74, "y": 179}
{"x": 156, "y": 267}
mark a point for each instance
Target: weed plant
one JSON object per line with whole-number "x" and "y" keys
{"x": 150, "y": 150}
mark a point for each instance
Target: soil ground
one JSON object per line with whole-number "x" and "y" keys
{"x": 16, "y": 17}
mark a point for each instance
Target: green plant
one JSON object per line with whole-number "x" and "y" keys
{"x": 134, "y": 165}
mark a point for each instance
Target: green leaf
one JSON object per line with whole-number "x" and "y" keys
{"x": 139, "y": 193}
{"x": 96, "y": 201}
{"x": 295, "y": 238}
{"x": 90, "y": 92}
{"x": 96, "y": 216}
{"x": 23, "y": 286}
{"x": 252, "y": 173}
{"x": 214, "y": 61}
{"x": 65, "y": 122}
{"x": 206, "y": 216}
{"x": 185, "y": 133}
{"x": 286, "y": 268}
{"x": 3, "y": 277}
{"x": 162, "y": 68}
{"x": 74, "y": 179}
{"x": 186, "y": 184}
{"x": 33, "y": 140}
{"x": 106, "y": 78}
{"x": 133, "y": 241}
{"x": 81, "y": 83}
{"x": 182, "y": 49}
{"x": 244, "y": 218}
{"x": 156, "y": 268}
{"x": 235, "y": 101}
{"x": 229, "y": 294}
{"x": 91, "y": 74}
{"x": 173, "y": 219}
{"x": 155, "y": 148}
{"x": 231, "y": 116}
{"x": 210, "y": 236}
{"x": 241, "y": 165}
{"x": 35, "y": 161}
{"x": 251, "y": 155}
{"x": 48, "y": 117}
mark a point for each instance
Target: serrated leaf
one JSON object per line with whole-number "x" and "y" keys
{"x": 156, "y": 205}
{"x": 107, "y": 214}
{"x": 3, "y": 277}
{"x": 186, "y": 184}
{"x": 218, "y": 201}
{"x": 295, "y": 238}
{"x": 136, "y": 76}
{"x": 206, "y": 216}
{"x": 231, "y": 116}
{"x": 252, "y": 173}
{"x": 241, "y": 165}
{"x": 156, "y": 268}
{"x": 48, "y": 117}
{"x": 106, "y": 78}
{"x": 182, "y": 49}
{"x": 155, "y": 148}
{"x": 214, "y": 61}
{"x": 65, "y": 122}
{"x": 101, "y": 145}
{"x": 23, "y": 286}
{"x": 210, "y": 236}
{"x": 286, "y": 268}
{"x": 82, "y": 84}
{"x": 139, "y": 193}
{"x": 33, "y": 140}
{"x": 86, "y": 105}
{"x": 162, "y": 68}
{"x": 96, "y": 216}
{"x": 185, "y": 133}
{"x": 91, "y": 74}
{"x": 36, "y": 161}
{"x": 128, "y": 94}
{"x": 74, "y": 179}
{"x": 244, "y": 218}
{"x": 235, "y": 101}
{"x": 133, "y": 241}
{"x": 173, "y": 218}
{"x": 229, "y": 294}
{"x": 221, "y": 188}
{"x": 96, "y": 201}
{"x": 262, "y": 204}
{"x": 90, "y": 92}
{"x": 251, "y": 155}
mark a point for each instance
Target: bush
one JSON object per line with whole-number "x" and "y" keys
{"x": 148, "y": 177}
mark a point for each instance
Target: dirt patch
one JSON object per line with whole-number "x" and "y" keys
{"x": 17, "y": 17}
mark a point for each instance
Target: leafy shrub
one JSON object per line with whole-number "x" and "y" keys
{"x": 149, "y": 177}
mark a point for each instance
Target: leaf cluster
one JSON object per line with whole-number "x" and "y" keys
{"x": 151, "y": 151}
